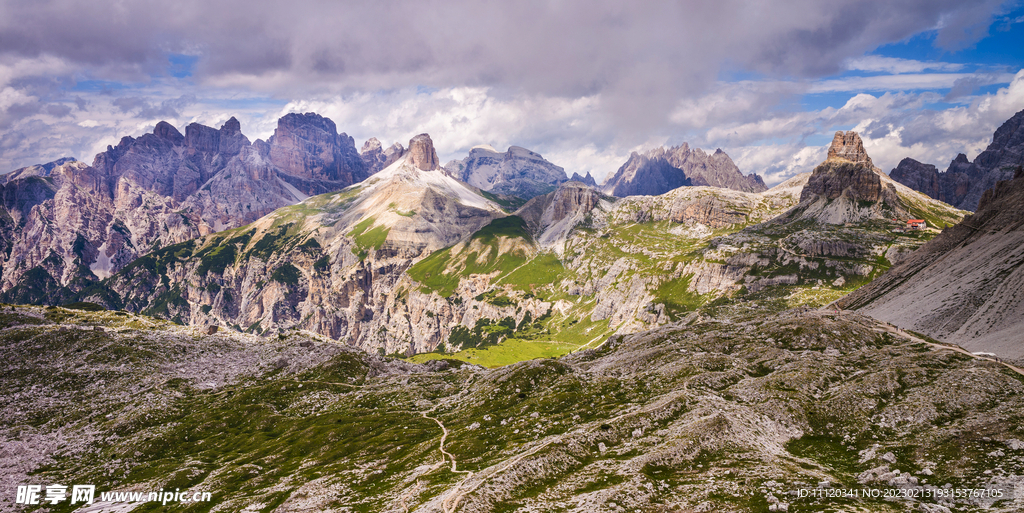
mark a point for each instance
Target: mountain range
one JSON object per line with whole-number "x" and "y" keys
{"x": 964, "y": 182}
{"x": 74, "y": 224}
{"x": 662, "y": 169}
{"x": 392, "y": 337}
{"x": 412, "y": 260}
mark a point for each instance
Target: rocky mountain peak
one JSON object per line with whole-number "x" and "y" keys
{"x": 376, "y": 157}
{"x": 166, "y": 131}
{"x": 371, "y": 144}
{"x": 309, "y": 146}
{"x": 588, "y": 179}
{"x": 661, "y": 169}
{"x": 204, "y": 139}
{"x": 848, "y": 146}
{"x": 36, "y": 170}
{"x": 964, "y": 182}
{"x": 846, "y": 172}
{"x": 1010, "y": 134}
{"x": 231, "y": 127}
{"x": 422, "y": 154}
{"x": 516, "y": 172}
{"x": 847, "y": 188}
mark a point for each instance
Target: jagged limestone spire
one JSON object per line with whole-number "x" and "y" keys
{"x": 422, "y": 154}
{"x": 848, "y": 146}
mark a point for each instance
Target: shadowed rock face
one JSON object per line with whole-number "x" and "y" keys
{"x": 663, "y": 169}
{"x": 964, "y": 285}
{"x": 421, "y": 153}
{"x": 846, "y": 172}
{"x": 515, "y": 172}
{"x": 309, "y": 146}
{"x": 376, "y": 157}
{"x": 963, "y": 182}
{"x": 951, "y": 187}
{"x": 158, "y": 189}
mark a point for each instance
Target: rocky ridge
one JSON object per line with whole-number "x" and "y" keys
{"x": 963, "y": 286}
{"x": 412, "y": 260}
{"x": 964, "y": 182}
{"x": 516, "y": 172}
{"x": 848, "y": 188}
{"x": 333, "y": 264}
{"x": 662, "y": 169}
{"x": 585, "y": 180}
{"x": 76, "y": 223}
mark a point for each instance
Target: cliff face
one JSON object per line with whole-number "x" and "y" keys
{"x": 334, "y": 264}
{"x": 663, "y": 169}
{"x": 963, "y": 182}
{"x": 376, "y": 157}
{"x": 421, "y": 153}
{"x": 848, "y": 188}
{"x": 964, "y": 285}
{"x": 516, "y": 172}
{"x": 74, "y": 224}
{"x": 309, "y": 146}
{"x": 847, "y": 172}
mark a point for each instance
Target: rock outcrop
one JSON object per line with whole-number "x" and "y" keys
{"x": 965, "y": 285}
{"x": 586, "y": 180}
{"x": 517, "y": 172}
{"x": 376, "y": 157}
{"x": 847, "y": 188}
{"x": 421, "y": 153}
{"x": 552, "y": 216}
{"x": 76, "y": 223}
{"x": 663, "y": 169}
{"x": 963, "y": 182}
{"x": 847, "y": 172}
{"x": 309, "y": 146}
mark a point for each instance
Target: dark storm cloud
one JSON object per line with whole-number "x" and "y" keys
{"x": 57, "y": 110}
{"x": 654, "y": 50}
{"x": 629, "y": 65}
{"x": 142, "y": 108}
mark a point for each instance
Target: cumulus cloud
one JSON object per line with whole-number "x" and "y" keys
{"x": 460, "y": 118}
{"x": 641, "y": 57}
{"x": 892, "y": 125}
{"x": 582, "y": 82}
{"x": 878, "y": 63}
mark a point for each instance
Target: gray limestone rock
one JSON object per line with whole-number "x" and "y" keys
{"x": 663, "y": 169}
{"x": 516, "y": 172}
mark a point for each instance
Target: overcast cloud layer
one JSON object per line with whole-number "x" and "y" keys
{"x": 584, "y": 83}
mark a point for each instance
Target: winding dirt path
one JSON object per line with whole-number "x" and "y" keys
{"x": 905, "y": 334}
